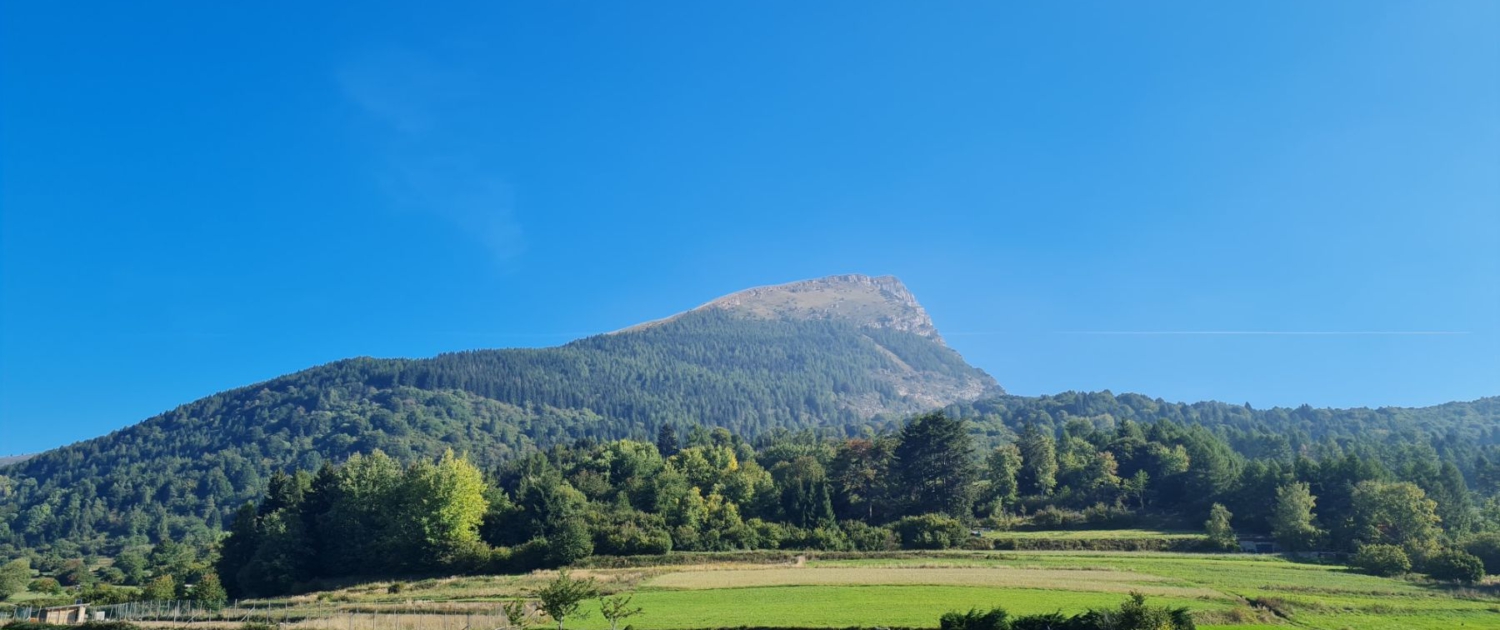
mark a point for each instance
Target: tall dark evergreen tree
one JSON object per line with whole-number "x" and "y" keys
{"x": 935, "y": 461}
{"x": 666, "y": 441}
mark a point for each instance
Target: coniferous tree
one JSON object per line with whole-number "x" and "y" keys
{"x": 666, "y": 441}
{"x": 935, "y": 459}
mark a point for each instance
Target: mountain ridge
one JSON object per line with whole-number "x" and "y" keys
{"x": 760, "y": 364}
{"x": 876, "y": 301}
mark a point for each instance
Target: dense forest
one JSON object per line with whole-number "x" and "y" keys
{"x": 792, "y": 437}
{"x": 924, "y": 484}
{"x": 922, "y": 487}
{"x": 180, "y": 475}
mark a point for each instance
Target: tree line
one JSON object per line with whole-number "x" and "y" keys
{"x": 923, "y": 486}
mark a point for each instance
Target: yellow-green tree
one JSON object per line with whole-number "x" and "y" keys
{"x": 443, "y": 506}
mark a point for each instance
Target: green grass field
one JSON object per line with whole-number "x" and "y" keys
{"x": 1093, "y": 534}
{"x": 914, "y": 589}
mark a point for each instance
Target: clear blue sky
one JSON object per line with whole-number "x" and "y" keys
{"x": 198, "y": 196}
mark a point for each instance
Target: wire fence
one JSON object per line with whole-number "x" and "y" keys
{"x": 413, "y": 615}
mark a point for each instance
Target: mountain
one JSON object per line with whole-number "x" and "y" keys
{"x": 835, "y": 352}
{"x": 880, "y": 302}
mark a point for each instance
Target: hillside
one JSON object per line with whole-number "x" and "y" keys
{"x": 839, "y": 352}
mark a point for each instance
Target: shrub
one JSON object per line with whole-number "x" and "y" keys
{"x": 768, "y": 535}
{"x": 865, "y": 537}
{"x": 1133, "y": 614}
{"x": 45, "y": 585}
{"x": 1053, "y": 517}
{"x": 632, "y": 535}
{"x": 930, "y": 531}
{"x": 977, "y": 543}
{"x": 1455, "y": 566}
{"x": 396, "y": 588}
{"x": 1381, "y": 560}
{"x": 1109, "y": 516}
{"x": 1486, "y": 547}
{"x": 992, "y": 619}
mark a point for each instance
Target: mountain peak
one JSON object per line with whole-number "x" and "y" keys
{"x": 873, "y": 301}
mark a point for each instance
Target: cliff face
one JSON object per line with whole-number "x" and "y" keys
{"x": 878, "y": 302}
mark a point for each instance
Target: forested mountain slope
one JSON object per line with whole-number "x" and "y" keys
{"x": 853, "y": 349}
{"x": 1465, "y": 433}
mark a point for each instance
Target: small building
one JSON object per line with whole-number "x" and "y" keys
{"x": 65, "y": 615}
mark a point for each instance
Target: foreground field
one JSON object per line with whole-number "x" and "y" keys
{"x": 1224, "y": 591}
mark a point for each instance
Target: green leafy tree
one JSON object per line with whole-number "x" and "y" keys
{"x": 930, "y": 531}
{"x": 1220, "y": 532}
{"x": 935, "y": 458}
{"x": 160, "y": 588}
{"x": 75, "y": 573}
{"x": 1038, "y": 474}
{"x": 443, "y": 505}
{"x": 1292, "y": 519}
{"x": 1396, "y": 514}
{"x": 358, "y": 533}
{"x": 45, "y": 585}
{"x": 617, "y": 609}
{"x": 861, "y": 469}
{"x": 1000, "y": 470}
{"x": 563, "y": 597}
{"x": 209, "y": 592}
{"x": 1486, "y": 547}
{"x": 14, "y": 576}
{"x": 569, "y": 540}
{"x": 133, "y": 565}
{"x": 1136, "y": 486}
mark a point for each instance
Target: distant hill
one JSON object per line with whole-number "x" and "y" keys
{"x": 834, "y": 352}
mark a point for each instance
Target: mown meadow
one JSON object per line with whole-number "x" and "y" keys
{"x": 1237, "y": 591}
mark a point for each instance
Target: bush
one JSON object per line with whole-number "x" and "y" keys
{"x": 1486, "y": 547}
{"x": 633, "y": 534}
{"x": 768, "y": 535}
{"x": 1455, "y": 566}
{"x": 1053, "y": 517}
{"x": 818, "y": 539}
{"x": 992, "y": 619}
{"x": 1381, "y": 560}
{"x": 1109, "y": 517}
{"x": 930, "y": 531}
{"x": 865, "y": 537}
{"x": 977, "y": 543}
{"x": 45, "y": 585}
{"x": 1133, "y": 614}
{"x": 396, "y": 588}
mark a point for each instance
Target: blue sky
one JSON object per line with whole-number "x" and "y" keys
{"x": 197, "y": 196}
